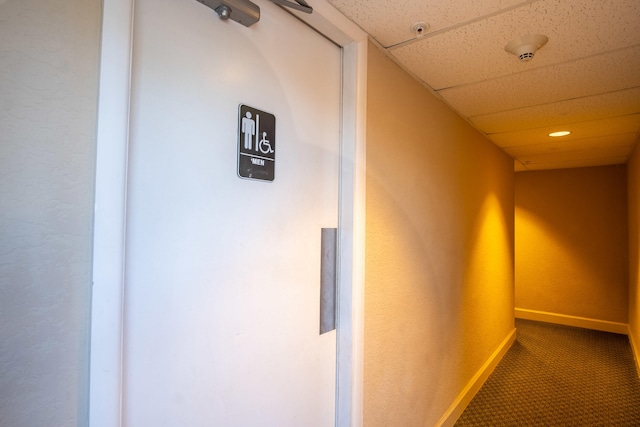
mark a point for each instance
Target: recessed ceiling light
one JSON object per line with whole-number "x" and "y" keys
{"x": 560, "y": 133}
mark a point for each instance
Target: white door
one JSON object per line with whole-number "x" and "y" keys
{"x": 222, "y": 279}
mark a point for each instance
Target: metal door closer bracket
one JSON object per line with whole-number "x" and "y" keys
{"x": 246, "y": 12}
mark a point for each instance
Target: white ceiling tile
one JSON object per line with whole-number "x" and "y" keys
{"x": 549, "y": 84}
{"x": 475, "y": 52}
{"x": 621, "y": 152}
{"x": 587, "y": 77}
{"x": 594, "y": 107}
{"x": 389, "y": 22}
{"x": 595, "y": 128}
{"x": 559, "y": 146}
{"x": 577, "y": 163}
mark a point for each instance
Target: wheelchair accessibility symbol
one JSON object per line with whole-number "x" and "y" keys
{"x": 256, "y": 144}
{"x": 263, "y": 146}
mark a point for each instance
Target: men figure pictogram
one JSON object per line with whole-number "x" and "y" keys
{"x": 249, "y": 129}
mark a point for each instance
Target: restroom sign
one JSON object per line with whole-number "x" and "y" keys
{"x": 256, "y": 144}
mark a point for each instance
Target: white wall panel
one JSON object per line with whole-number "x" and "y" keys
{"x": 48, "y": 92}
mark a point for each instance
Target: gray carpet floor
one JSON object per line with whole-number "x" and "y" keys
{"x": 557, "y": 375}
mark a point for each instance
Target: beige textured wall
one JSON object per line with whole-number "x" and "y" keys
{"x": 571, "y": 242}
{"x": 48, "y": 95}
{"x": 439, "y": 260}
{"x": 633, "y": 191}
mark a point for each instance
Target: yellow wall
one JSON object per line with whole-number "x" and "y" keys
{"x": 439, "y": 263}
{"x": 633, "y": 189}
{"x": 571, "y": 242}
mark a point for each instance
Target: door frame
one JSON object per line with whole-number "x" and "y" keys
{"x": 112, "y": 134}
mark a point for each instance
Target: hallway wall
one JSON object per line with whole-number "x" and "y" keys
{"x": 439, "y": 252}
{"x": 571, "y": 242}
{"x": 48, "y": 94}
{"x": 633, "y": 189}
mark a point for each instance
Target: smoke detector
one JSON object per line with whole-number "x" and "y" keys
{"x": 526, "y": 46}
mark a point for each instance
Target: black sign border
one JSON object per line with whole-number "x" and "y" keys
{"x": 239, "y": 168}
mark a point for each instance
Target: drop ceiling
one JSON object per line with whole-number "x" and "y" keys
{"x": 586, "y": 79}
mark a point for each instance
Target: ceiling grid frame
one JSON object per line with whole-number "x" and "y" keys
{"x": 586, "y": 79}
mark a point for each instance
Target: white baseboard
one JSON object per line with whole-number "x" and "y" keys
{"x": 464, "y": 398}
{"x": 564, "y": 319}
